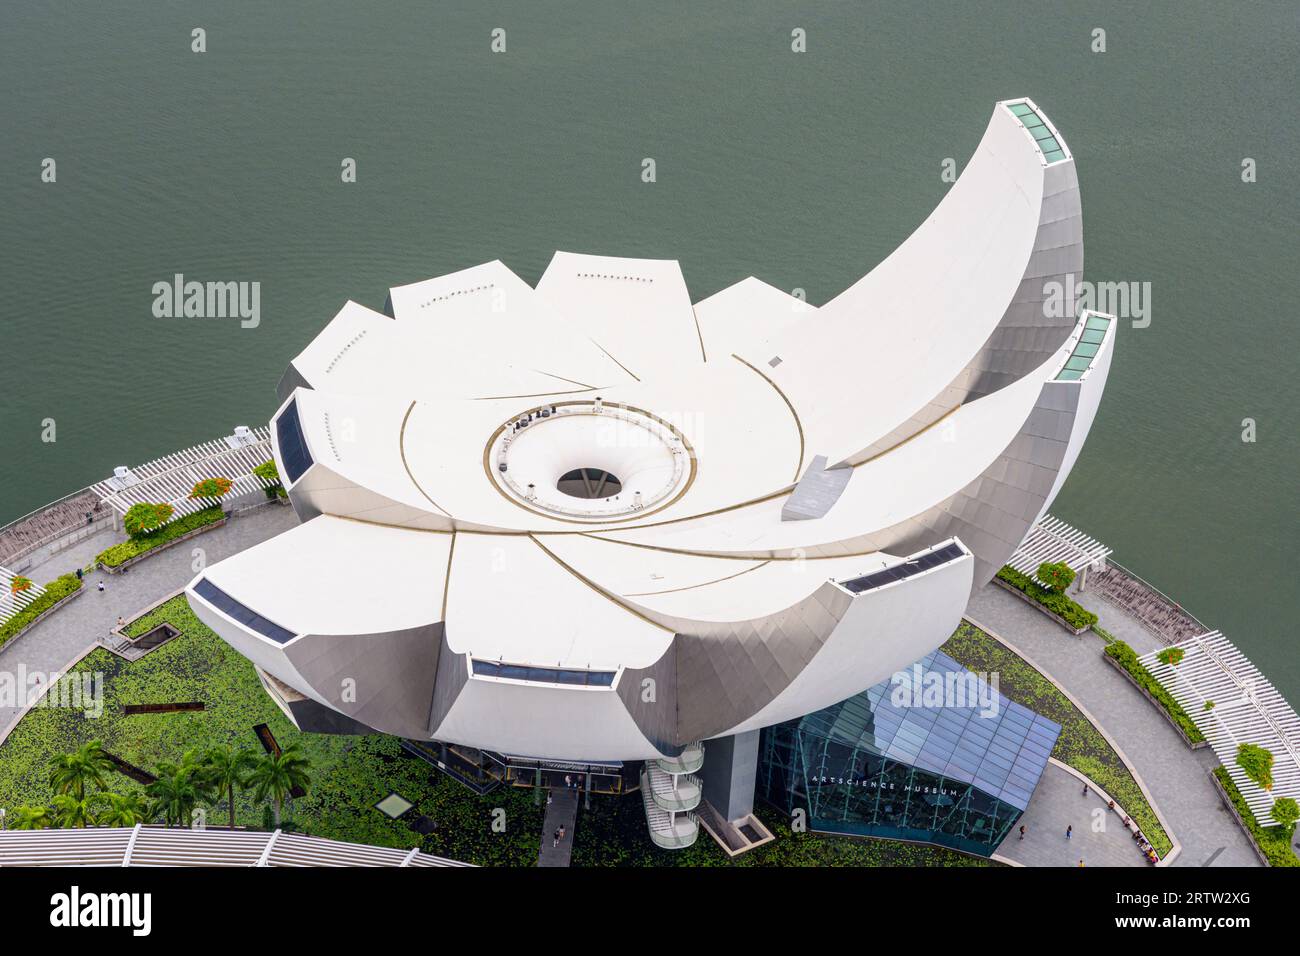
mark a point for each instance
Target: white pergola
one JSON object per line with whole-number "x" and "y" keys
{"x": 11, "y": 603}
{"x": 1247, "y": 710}
{"x": 1052, "y": 540}
{"x": 170, "y": 479}
{"x": 164, "y": 846}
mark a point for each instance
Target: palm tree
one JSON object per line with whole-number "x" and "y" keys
{"x": 73, "y": 811}
{"x": 31, "y": 818}
{"x": 276, "y": 775}
{"x": 179, "y": 788}
{"x": 226, "y": 769}
{"x": 70, "y": 773}
{"x": 122, "y": 810}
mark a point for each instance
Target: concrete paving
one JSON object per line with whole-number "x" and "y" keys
{"x": 59, "y": 640}
{"x": 1177, "y": 777}
{"x": 1099, "y": 837}
{"x": 561, "y": 811}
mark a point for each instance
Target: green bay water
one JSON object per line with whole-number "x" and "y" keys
{"x": 802, "y": 169}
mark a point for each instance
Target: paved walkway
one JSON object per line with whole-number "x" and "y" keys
{"x": 1059, "y": 802}
{"x": 1177, "y": 777}
{"x": 53, "y": 644}
{"x": 562, "y": 810}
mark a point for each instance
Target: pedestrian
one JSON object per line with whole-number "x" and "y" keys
{"x": 79, "y": 573}
{"x": 121, "y": 622}
{"x": 561, "y": 831}
{"x": 1081, "y": 861}
{"x": 1022, "y": 831}
{"x": 1069, "y": 832}
{"x": 101, "y": 587}
{"x": 568, "y": 781}
{"x": 555, "y": 839}
{"x": 1085, "y": 789}
{"x": 548, "y": 798}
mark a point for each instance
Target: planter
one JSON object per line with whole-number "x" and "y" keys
{"x": 1076, "y": 631}
{"x": 44, "y": 614}
{"x": 1232, "y": 808}
{"x": 163, "y": 547}
{"x": 1154, "y": 703}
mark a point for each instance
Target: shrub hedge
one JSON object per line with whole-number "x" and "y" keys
{"x": 1273, "y": 842}
{"x": 1063, "y": 607}
{"x": 119, "y": 554}
{"x": 1127, "y": 658}
{"x": 55, "y": 592}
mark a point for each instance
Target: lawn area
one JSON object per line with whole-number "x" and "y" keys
{"x": 349, "y": 774}
{"x": 1080, "y": 745}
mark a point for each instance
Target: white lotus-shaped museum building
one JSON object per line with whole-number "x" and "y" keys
{"x": 593, "y": 521}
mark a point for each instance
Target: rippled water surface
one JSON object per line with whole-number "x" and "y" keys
{"x": 802, "y": 169}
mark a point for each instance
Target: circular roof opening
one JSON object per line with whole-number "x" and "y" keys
{"x": 589, "y": 461}
{"x": 589, "y": 483}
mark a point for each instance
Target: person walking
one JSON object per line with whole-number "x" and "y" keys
{"x": 1022, "y": 831}
{"x": 1069, "y": 832}
{"x": 101, "y": 587}
{"x": 561, "y": 831}
{"x": 1085, "y": 789}
{"x": 79, "y": 574}
{"x": 555, "y": 839}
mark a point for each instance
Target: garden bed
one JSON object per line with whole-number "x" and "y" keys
{"x": 1075, "y": 619}
{"x": 1123, "y": 658}
{"x": 348, "y": 773}
{"x": 1272, "y": 844}
{"x": 121, "y": 556}
{"x": 57, "y": 593}
{"x": 1081, "y": 744}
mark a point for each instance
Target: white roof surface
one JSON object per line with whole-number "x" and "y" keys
{"x": 403, "y": 414}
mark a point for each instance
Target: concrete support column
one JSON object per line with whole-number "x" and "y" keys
{"x": 730, "y": 772}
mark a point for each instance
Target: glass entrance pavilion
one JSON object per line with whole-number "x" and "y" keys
{"x": 933, "y": 754}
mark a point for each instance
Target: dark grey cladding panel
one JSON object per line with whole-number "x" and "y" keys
{"x": 393, "y": 675}
{"x": 654, "y": 706}
{"x": 453, "y": 674}
{"x": 733, "y": 671}
{"x": 290, "y": 380}
{"x": 315, "y": 718}
{"x": 993, "y": 513}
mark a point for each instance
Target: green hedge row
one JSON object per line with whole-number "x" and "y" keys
{"x": 1273, "y": 842}
{"x": 119, "y": 554}
{"x": 55, "y": 592}
{"x": 1060, "y": 605}
{"x": 1127, "y": 658}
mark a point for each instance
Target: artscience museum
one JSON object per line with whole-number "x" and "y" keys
{"x": 593, "y": 523}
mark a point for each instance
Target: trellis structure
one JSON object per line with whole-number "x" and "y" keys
{"x": 1052, "y": 540}
{"x": 1246, "y": 709}
{"x": 11, "y": 603}
{"x": 170, "y": 479}
{"x": 165, "y": 846}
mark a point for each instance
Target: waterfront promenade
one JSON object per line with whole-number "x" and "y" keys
{"x": 1176, "y": 777}
{"x": 65, "y": 636}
